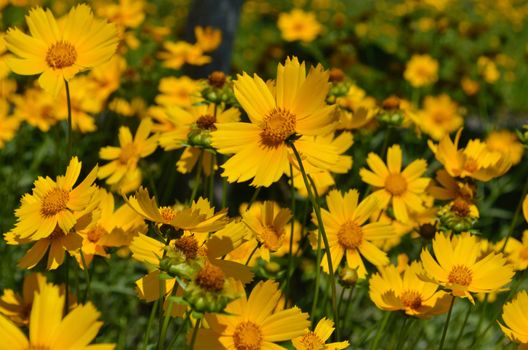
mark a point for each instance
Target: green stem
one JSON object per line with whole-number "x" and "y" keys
{"x": 86, "y": 277}
{"x": 67, "y": 282}
{"x": 68, "y": 101}
{"x": 197, "y": 179}
{"x": 211, "y": 179}
{"x": 384, "y": 320}
{"x": 290, "y": 256}
{"x": 195, "y": 332}
{"x": 253, "y": 197}
{"x": 166, "y": 319}
{"x": 149, "y": 324}
{"x": 407, "y": 321}
{"x": 515, "y": 216}
{"x": 252, "y": 253}
{"x": 446, "y": 325}
{"x": 178, "y": 332}
{"x": 462, "y": 328}
{"x": 322, "y": 232}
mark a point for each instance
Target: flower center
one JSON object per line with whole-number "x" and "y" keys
{"x": 57, "y": 233}
{"x": 276, "y": 127}
{"x": 128, "y": 152}
{"x": 460, "y": 207}
{"x": 210, "y": 278}
{"x": 206, "y": 122}
{"x": 411, "y": 299}
{"x": 460, "y": 275}
{"x": 247, "y": 336}
{"x": 167, "y": 214}
{"x": 271, "y": 238}
{"x": 311, "y": 341}
{"x": 188, "y": 246}
{"x": 96, "y": 233}
{"x": 61, "y": 55}
{"x": 54, "y": 202}
{"x": 440, "y": 116}
{"x": 470, "y": 165}
{"x": 350, "y": 235}
{"x": 396, "y": 184}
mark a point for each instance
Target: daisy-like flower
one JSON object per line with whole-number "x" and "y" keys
{"x": 391, "y": 291}
{"x": 317, "y": 339}
{"x": 252, "y": 323}
{"x": 350, "y": 235}
{"x": 49, "y": 330}
{"x": 525, "y": 208}
{"x": 60, "y": 49}
{"x": 476, "y": 160}
{"x": 8, "y": 124}
{"x": 17, "y": 307}
{"x": 207, "y": 38}
{"x": 54, "y": 203}
{"x": 421, "y": 70}
{"x": 461, "y": 268}
{"x": 404, "y": 189}
{"x": 356, "y": 109}
{"x": 123, "y": 168}
{"x": 516, "y": 251}
{"x": 294, "y": 107}
{"x": 516, "y": 322}
{"x": 181, "y": 92}
{"x": 507, "y": 143}
{"x": 179, "y": 53}
{"x": 37, "y": 108}
{"x": 446, "y": 187}
{"x": 439, "y": 116}
{"x": 299, "y": 25}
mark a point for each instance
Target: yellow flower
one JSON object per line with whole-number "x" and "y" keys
{"x": 179, "y": 53}
{"x": 446, "y": 187}
{"x": 525, "y": 208}
{"x": 514, "y": 316}
{"x": 461, "y": 268}
{"x": 49, "y": 330}
{"x": 421, "y": 70}
{"x": 17, "y": 307}
{"x": 299, "y": 25}
{"x": 252, "y": 322}
{"x": 8, "y": 124}
{"x": 37, "y": 108}
{"x": 317, "y": 338}
{"x": 296, "y": 106}
{"x": 439, "y": 116}
{"x": 106, "y": 77}
{"x": 348, "y": 233}
{"x": 54, "y": 203}
{"x": 4, "y": 68}
{"x": 470, "y": 86}
{"x": 391, "y": 291}
{"x": 476, "y": 160}
{"x": 60, "y": 49}
{"x": 356, "y": 109}
{"x": 124, "y": 159}
{"x": 516, "y": 251}
{"x": 488, "y": 69}
{"x": 207, "y": 38}
{"x": 181, "y": 92}
{"x": 404, "y": 189}
{"x": 507, "y": 143}
{"x": 125, "y": 14}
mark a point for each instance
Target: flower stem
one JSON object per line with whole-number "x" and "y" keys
{"x": 253, "y": 197}
{"x": 178, "y": 332}
{"x": 86, "y": 277}
{"x": 461, "y": 332}
{"x": 195, "y": 332}
{"x": 446, "y": 325}
{"x": 69, "y": 136}
{"x": 149, "y": 324}
{"x": 515, "y": 216}
{"x": 290, "y": 256}
{"x": 197, "y": 179}
{"x": 166, "y": 319}
{"x": 322, "y": 233}
{"x": 384, "y": 321}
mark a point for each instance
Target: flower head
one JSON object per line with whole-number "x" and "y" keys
{"x": 514, "y": 316}
{"x": 299, "y": 25}
{"x": 421, "y": 70}
{"x": 317, "y": 339}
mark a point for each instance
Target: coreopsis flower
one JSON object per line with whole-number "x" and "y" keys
{"x": 515, "y": 321}
{"x": 475, "y": 161}
{"x": 8, "y": 124}
{"x": 488, "y": 69}
{"x": 421, "y": 70}
{"x": 123, "y": 168}
{"x": 294, "y": 108}
{"x": 525, "y": 208}
{"x": 317, "y": 339}
{"x": 177, "y": 54}
{"x": 470, "y": 86}
{"x": 460, "y": 267}
{"x": 269, "y": 223}
{"x": 516, "y": 251}
{"x": 17, "y": 307}
{"x": 438, "y": 117}
{"x": 106, "y": 77}
{"x": 348, "y": 233}
{"x": 392, "y": 290}
{"x": 37, "y": 108}
{"x": 207, "y": 38}
{"x": 49, "y": 330}
{"x": 299, "y": 25}
{"x": 446, "y": 187}
{"x": 4, "y": 68}
{"x": 507, "y": 143}
{"x": 356, "y": 109}
{"x": 124, "y": 14}
{"x": 54, "y": 203}
{"x": 403, "y": 189}
{"x": 252, "y": 322}
{"x": 60, "y": 49}
{"x": 181, "y": 92}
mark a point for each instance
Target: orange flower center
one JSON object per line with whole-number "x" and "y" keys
{"x": 470, "y": 165}
{"x": 247, "y": 336}
{"x": 276, "y": 127}
{"x": 396, "y": 184}
{"x": 96, "y": 233}
{"x": 411, "y": 299}
{"x": 350, "y": 235}
{"x": 128, "y": 152}
{"x": 210, "y": 278}
{"x": 460, "y": 275}
{"x": 188, "y": 246}
{"x": 54, "y": 202}
{"x": 460, "y": 207}
{"x": 206, "y": 122}
{"x": 61, "y": 55}
{"x": 311, "y": 341}
{"x": 167, "y": 214}
{"x": 271, "y": 237}
{"x": 57, "y": 234}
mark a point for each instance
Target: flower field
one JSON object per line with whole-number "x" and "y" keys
{"x": 255, "y": 174}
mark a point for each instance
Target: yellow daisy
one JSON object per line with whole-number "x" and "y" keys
{"x": 438, "y": 117}
{"x": 60, "y": 49}
{"x": 49, "y": 330}
{"x": 8, "y": 124}
{"x": 317, "y": 339}
{"x": 461, "y": 268}
{"x": 404, "y": 189}
{"x": 514, "y": 316}
{"x": 348, "y": 233}
{"x": 37, "y": 108}
{"x": 251, "y": 322}
{"x": 179, "y": 53}
{"x": 507, "y": 143}
{"x": 207, "y": 38}
{"x": 296, "y": 106}
{"x": 421, "y": 70}
{"x": 17, "y": 307}
{"x": 516, "y": 251}
{"x": 391, "y": 291}
{"x": 181, "y": 92}
{"x": 299, "y": 25}
{"x": 54, "y": 203}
